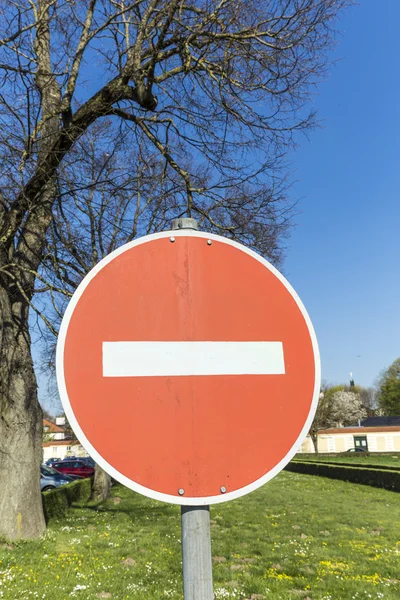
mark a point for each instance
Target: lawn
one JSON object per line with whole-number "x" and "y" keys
{"x": 298, "y": 537}
{"x": 390, "y": 460}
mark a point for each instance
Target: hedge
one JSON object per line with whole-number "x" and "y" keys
{"x": 347, "y": 464}
{"x": 361, "y": 455}
{"x": 389, "y": 480}
{"x": 57, "y": 501}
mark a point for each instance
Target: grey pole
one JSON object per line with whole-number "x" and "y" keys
{"x": 195, "y": 522}
{"x": 184, "y": 223}
{"x": 196, "y": 553}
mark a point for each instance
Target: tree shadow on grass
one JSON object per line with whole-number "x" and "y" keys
{"x": 137, "y": 511}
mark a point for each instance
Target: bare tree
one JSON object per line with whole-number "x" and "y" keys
{"x": 106, "y": 196}
{"x": 322, "y": 417}
{"x": 369, "y": 400}
{"x": 217, "y": 88}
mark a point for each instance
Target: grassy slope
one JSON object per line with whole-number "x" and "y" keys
{"x": 391, "y": 460}
{"x": 297, "y": 537}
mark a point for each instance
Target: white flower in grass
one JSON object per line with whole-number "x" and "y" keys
{"x": 222, "y": 593}
{"x": 78, "y": 588}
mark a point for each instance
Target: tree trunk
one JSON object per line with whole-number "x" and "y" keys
{"x": 21, "y": 511}
{"x": 314, "y": 437}
{"x": 21, "y": 246}
{"x": 101, "y": 485}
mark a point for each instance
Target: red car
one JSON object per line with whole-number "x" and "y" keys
{"x": 74, "y": 467}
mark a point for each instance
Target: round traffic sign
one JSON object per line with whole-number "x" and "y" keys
{"x": 188, "y": 367}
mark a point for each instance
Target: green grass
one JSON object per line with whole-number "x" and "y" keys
{"x": 297, "y": 537}
{"x": 391, "y": 460}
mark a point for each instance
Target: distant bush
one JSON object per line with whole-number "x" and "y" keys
{"x": 56, "y": 502}
{"x": 352, "y": 465}
{"x": 389, "y": 480}
{"x": 318, "y": 455}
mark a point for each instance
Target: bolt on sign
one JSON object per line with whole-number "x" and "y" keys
{"x": 188, "y": 367}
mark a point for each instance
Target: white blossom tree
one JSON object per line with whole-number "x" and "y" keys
{"x": 338, "y": 406}
{"x": 347, "y": 408}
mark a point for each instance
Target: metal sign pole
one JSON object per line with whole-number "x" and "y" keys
{"x": 195, "y": 522}
{"x": 196, "y": 553}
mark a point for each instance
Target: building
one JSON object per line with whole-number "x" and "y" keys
{"x": 51, "y": 431}
{"x": 372, "y": 439}
{"x": 377, "y": 436}
{"x": 62, "y": 448}
{"x": 55, "y": 443}
{"x": 307, "y": 447}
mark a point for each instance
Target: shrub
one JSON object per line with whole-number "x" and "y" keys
{"x": 389, "y": 480}
{"x": 56, "y": 502}
{"x": 352, "y": 464}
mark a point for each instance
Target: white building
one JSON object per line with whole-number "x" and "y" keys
{"x": 341, "y": 439}
{"x": 54, "y": 443}
{"x": 62, "y": 448}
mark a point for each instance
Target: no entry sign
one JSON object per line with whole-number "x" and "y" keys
{"x": 188, "y": 367}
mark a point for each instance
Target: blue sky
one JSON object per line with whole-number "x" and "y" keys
{"x": 343, "y": 254}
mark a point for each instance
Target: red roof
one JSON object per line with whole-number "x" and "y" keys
{"x": 52, "y": 427}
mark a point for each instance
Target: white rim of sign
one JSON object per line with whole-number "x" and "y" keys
{"x": 150, "y": 493}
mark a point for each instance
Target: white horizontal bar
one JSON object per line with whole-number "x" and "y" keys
{"x": 156, "y": 359}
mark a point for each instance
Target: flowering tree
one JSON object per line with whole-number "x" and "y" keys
{"x": 338, "y": 406}
{"x": 347, "y": 408}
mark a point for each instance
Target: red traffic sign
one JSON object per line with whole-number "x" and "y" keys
{"x": 188, "y": 367}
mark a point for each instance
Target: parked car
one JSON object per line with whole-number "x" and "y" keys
{"x": 356, "y": 450}
{"x": 89, "y": 461}
{"x": 51, "y": 461}
{"x": 51, "y": 479}
{"x": 74, "y": 467}
{"x": 51, "y": 471}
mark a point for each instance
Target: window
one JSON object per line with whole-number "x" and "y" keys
{"x": 68, "y": 448}
{"x": 47, "y": 471}
{"x": 54, "y": 450}
{"x": 360, "y": 441}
